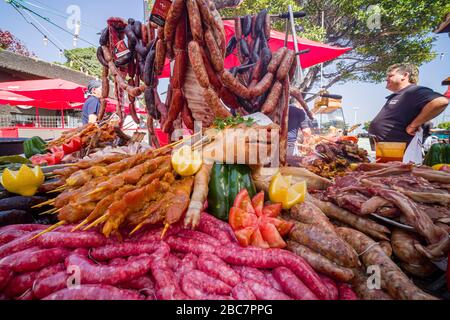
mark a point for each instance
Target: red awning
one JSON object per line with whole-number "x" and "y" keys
{"x": 47, "y": 89}
{"x": 447, "y": 94}
{"x": 54, "y": 94}
{"x": 318, "y": 53}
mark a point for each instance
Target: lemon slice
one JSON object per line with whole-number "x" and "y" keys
{"x": 186, "y": 162}
{"x": 438, "y": 166}
{"x": 282, "y": 190}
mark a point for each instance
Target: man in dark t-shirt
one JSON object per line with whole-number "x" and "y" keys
{"x": 407, "y": 108}
{"x": 297, "y": 120}
{"x": 92, "y": 104}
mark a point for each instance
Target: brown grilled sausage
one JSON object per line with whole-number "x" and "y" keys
{"x": 195, "y": 57}
{"x": 272, "y": 100}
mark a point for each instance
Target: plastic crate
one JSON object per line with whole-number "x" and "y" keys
{"x": 9, "y": 133}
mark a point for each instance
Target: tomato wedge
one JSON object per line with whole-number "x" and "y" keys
{"x": 282, "y": 226}
{"x": 244, "y": 236}
{"x": 272, "y": 210}
{"x": 270, "y": 234}
{"x": 243, "y": 201}
{"x": 258, "y": 203}
{"x": 257, "y": 240}
{"x": 239, "y": 219}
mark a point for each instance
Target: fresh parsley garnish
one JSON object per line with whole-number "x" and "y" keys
{"x": 222, "y": 123}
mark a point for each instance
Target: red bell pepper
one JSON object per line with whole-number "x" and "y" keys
{"x": 72, "y": 146}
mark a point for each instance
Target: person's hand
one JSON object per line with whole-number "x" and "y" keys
{"x": 411, "y": 130}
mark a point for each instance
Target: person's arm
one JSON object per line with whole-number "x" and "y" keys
{"x": 431, "y": 110}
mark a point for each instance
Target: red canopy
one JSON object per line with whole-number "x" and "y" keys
{"x": 55, "y": 94}
{"x": 47, "y": 89}
{"x": 318, "y": 53}
{"x": 447, "y": 94}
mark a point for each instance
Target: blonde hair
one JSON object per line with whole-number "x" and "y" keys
{"x": 409, "y": 68}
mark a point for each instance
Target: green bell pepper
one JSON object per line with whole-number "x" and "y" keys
{"x": 226, "y": 181}
{"x": 33, "y": 146}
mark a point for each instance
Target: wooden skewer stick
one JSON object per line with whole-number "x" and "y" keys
{"x": 51, "y": 228}
{"x": 97, "y": 222}
{"x": 139, "y": 226}
{"x": 80, "y": 225}
{"x": 163, "y": 233}
{"x": 57, "y": 190}
{"x": 42, "y": 204}
{"x": 51, "y": 211}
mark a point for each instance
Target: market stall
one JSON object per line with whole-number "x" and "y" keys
{"x": 219, "y": 214}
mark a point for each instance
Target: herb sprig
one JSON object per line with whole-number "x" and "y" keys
{"x": 222, "y": 123}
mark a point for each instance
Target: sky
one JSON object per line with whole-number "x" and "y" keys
{"x": 366, "y": 98}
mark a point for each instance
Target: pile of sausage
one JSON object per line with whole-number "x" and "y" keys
{"x": 204, "y": 264}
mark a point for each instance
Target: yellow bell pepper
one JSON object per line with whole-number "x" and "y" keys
{"x": 25, "y": 182}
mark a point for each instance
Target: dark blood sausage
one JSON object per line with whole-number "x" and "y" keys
{"x": 216, "y": 267}
{"x": 230, "y": 46}
{"x": 204, "y": 283}
{"x": 346, "y": 292}
{"x": 20, "y": 283}
{"x": 20, "y": 203}
{"x": 94, "y": 292}
{"x": 9, "y": 235}
{"x": 104, "y": 37}
{"x": 267, "y": 27}
{"x": 242, "y": 292}
{"x": 148, "y": 68}
{"x": 272, "y": 258}
{"x": 265, "y": 292}
{"x": 131, "y": 37}
{"x": 34, "y": 259}
{"x": 71, "y": 240}
{"x": 5, "y": 276}
{"x": 260, "y": 22}
{"x": 18, "y": 244}
{"x": 141, "y": 49}
{"x": 124, "y": 249}
{"x": 292, "y": 285}
{"x": 285, "y": 65}
{"x": 245, "y": 50}
{"x": 272, "y": 99}
{"x": 195, "y": 57}
{"x": 200, "y": 236}
{"x": 44, "y": 286}
{"x": 137, "y": 29}
{"x": 277, "y": 57}
{"x": 100, "y": 57}
{"x": 246, "y": 24}
{"x": 189, "y": 245}
{"x": 104, "y": 274}
{"x": 195, "y": 21}
{"x": 166, "y": 283}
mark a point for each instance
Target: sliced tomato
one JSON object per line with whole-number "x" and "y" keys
{"x": 257, "y": 240}
{"x": 271, "y": 235}
{"x": 272, "y": 210}
{"x": 239, "y": 219}
{"x": 283, "y": 226}
{"x": 244, "y": 236}
{"x": 73, "y": 146}
{"x": 258, "y": 203}
{"x": 243, "y": 201}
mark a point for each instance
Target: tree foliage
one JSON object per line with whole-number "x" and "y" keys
{"x": 404, "y": 33}
{"x": 10, "y": 43}
{"x": 84, "y": 60}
